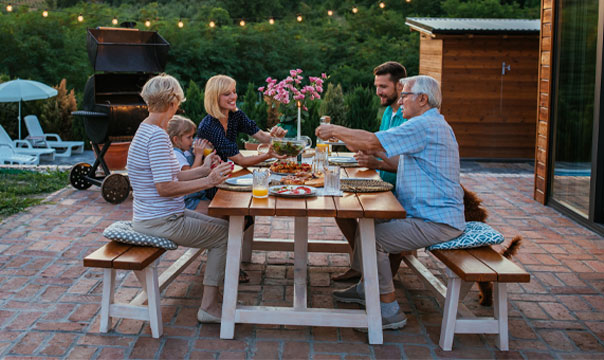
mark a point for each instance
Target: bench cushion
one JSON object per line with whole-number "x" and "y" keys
{"x": 476, "y": 234}
{"x": 121, "y": 231}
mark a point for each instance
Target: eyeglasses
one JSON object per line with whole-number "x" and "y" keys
{"x": 405, "y": 93}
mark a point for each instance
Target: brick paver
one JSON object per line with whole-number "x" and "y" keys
{"x": 49, "y": 303}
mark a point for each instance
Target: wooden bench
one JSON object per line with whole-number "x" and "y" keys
{"x": 464, "y": 267}
{"x": 143, "y": 261}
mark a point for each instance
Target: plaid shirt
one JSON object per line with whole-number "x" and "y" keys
{"x": 427, "y": 180}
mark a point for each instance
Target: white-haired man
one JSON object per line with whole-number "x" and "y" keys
{"x": 427, "y": 185}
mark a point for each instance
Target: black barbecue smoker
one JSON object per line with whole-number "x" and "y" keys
{"x": 123, "y": 59}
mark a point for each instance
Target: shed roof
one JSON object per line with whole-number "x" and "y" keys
{"x": 474, "y": 26}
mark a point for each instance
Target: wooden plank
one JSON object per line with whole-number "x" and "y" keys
{"x": 137, "y": 258}
{"x": 348, "y": 206}
{"x": 103, "y": 257}
{"x": 382, "y": 205}
{"x": 361, "y": 173}
{"x": 506, "y": 270}
{"x": 321, "y": 206}
{"x": 230, "y": 203}
{"x": 263, "y": 207}
{"x": 464, "y": 265}
{"x": 304, "y": 317}
{"x": 329, "y": 246}
{"x": 290, "y": 207}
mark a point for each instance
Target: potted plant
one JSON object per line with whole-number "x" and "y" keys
{"x": 251, "y": 143}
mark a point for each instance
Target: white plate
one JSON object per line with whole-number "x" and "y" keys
{"x": 245, "y": 180}
{"x": 288, "y": 190}
{"x": 334, "y": 142}
{"x": 342, "y": 159}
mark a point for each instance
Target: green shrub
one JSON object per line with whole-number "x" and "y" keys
{"x": 193, "y": 107}
{"x": 333, "y": 104}
{"x": 363, "y": 108}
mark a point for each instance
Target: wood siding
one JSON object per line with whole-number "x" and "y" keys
{"x": 543, "y": 109}
{"x": 493, "y": 116}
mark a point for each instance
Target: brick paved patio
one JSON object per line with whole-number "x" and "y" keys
{"x": 49, "y": 303}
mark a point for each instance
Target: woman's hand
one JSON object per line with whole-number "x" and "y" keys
{"x": 220, "y": 173}
{"x": 277, "y": 131}
{"x": 272, "y": 154}
{"x": 211, "y": 161}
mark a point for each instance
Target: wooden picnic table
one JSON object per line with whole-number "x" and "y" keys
{"x": 364, "y": 206}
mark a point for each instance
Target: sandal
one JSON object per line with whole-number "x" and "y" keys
{"x": 243, "y": 277}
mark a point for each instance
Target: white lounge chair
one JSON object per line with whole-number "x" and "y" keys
{"x": 38, "y": 137}
{"x": 9, "y": 156}
{"x": 23, "y": 147}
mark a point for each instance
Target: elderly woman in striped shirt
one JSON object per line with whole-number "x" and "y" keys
{"x": 159, "y": 187}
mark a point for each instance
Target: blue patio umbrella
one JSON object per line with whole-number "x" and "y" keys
{"x": 24, "y": 90}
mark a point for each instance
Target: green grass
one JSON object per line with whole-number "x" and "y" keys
{"x": 20, "y": 189}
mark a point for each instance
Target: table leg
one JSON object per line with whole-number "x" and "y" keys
{"x": 300, "y": 261}
{"x": 370, "y": 276}
{"x": 231, "y": 277}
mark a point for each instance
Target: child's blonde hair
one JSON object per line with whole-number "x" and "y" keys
{"x": 179, "y": 126}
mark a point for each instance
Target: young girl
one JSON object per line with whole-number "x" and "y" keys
{"x": 181, "y": 131}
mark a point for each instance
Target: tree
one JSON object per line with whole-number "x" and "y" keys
{"x": 194, "y": 108}
{"x": 333, "y": 105}
{"x": 362, "y": 109}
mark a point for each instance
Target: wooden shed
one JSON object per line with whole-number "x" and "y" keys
{"x": 488, "y": 71}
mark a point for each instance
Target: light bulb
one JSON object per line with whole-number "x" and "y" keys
{"x": 114, "y": 21}
{"x": 271, "y": 21}
{"x": 181, "y": 24}
{"x": 147, "y": 23}
{"x": 355, "y": 10}
{"x": 242, "y": 23}
{"x": 45, "y": 13}
{"x": 382, "y": 5}
{"x": 9, "y": 8}
{"x": 80, "y": 18}
{"x": 329, "y": 12}
{"x": 212, "y": 24}
{"x": 408, "y": 1}
{"x": 299, "y": 18}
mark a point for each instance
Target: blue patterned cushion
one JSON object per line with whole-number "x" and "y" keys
{"x": 476, "y": 234}
{"x": 121, "y": 231}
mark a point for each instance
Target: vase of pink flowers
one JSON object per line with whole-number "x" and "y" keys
{"x": 292, "y": 95}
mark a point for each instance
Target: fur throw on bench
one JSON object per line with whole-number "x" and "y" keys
{"x": 473, "y": 211}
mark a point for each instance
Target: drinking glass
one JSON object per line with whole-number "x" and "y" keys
{"x": 319, "y": 161}
{"x": 332, "y": 180}
{"x": 208, "y": 150}
{"x": 260, "y": 183}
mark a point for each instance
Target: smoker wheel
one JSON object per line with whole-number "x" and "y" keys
{"x": 115, "y": 188}
{"x": 77, "y": 176}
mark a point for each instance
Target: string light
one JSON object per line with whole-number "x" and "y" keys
{"x": 329, "y": 12}
{"x": 271, "y": 21}
{"x": 355, "y": 10}
{"x": 382, "y": 5}
{"x": 45, "y": 13}
{"x": 299, "y": 18}
{"x": 408, "y": 1}
{"x": 114, "y": 21}
{"x": 147, "y": 23}
{"x": 242, "y": 22}
{"x": 212, "y": 24}
{"x": 80, "y": 18}
{"x": 9, "y": 8}
{"x": 180, "y": 23}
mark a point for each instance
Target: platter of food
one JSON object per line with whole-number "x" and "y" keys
{"x": 292, "y": 190}
{"x": 305, "y": 178}
{"x": 289, "y": 167}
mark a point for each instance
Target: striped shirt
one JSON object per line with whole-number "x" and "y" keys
{"x": 151, "y": 160}
{"x": 427, "y": 180}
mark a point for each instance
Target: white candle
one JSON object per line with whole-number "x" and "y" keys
{"x": 299, "y": 120}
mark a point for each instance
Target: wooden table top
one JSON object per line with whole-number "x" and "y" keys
{"x": 380, "y": 205}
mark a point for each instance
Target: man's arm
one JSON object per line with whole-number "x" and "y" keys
{"x": 356, "y": 140}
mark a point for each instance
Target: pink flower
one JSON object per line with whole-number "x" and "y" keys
{"x": 323, "y": 75}
{"x": 305, "y": 108}
{"x": 268, "y": 79}
{"x": 299, "y": 71}
{"x": 292, "y": 73}
{"x": 261, "y": 88}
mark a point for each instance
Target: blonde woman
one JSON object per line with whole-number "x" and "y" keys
{"x": 159, "y": 186}
{"x": 225, "y": 121}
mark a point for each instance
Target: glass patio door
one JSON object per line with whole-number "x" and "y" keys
{"x": 576, "y": 61}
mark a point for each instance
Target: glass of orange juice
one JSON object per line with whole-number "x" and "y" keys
{"x": 207, "y": 150}
{"x": 260, "y": 183}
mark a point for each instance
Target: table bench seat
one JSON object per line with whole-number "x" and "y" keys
{"x": 143, "y": 261}
{"x": 463, "y": 268}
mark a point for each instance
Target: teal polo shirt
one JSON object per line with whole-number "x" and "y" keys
{"x": 389, "y": 122}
